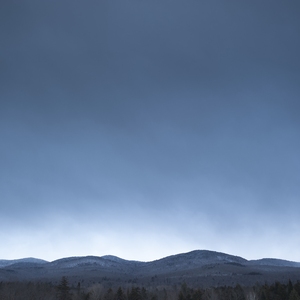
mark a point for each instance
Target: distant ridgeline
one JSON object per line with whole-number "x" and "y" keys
{"x": 194, "y": 274}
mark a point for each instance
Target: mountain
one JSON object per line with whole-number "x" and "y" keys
{"x": 29, "y": 260}
{"x": 274, "y": 262}
{"x": 200, "y": 268}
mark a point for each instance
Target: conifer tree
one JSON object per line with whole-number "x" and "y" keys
{"x": 63, "y": 289}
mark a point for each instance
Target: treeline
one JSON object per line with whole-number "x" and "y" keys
{"x": 276, "y": 291}
{"x": 63, "y": 291}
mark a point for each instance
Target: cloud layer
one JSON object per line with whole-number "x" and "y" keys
{"x": 147, "y": 128}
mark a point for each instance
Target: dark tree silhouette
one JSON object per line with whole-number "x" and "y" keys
{"x": 63, "y": 289}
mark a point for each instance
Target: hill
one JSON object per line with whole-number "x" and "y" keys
{"x": 199, "y": 268}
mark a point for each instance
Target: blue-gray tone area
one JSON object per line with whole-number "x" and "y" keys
{"x": 147, "y": 128}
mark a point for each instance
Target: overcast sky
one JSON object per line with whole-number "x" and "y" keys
{"x": 148, "y": 128}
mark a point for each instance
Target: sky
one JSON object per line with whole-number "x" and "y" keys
{"x": 146, "y": 128}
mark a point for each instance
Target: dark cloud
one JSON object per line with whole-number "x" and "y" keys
{"x": 133, "y": 113}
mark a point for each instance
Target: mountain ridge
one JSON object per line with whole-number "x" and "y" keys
{"x": 198, "y": 267}
{"x": 7, "y": 262}
{"x": 205, "y": 255}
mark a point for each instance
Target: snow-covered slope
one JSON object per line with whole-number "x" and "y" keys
{"x": 31, "y": 260}
{"x": 107, "y": 261}
{"x": 200, "y": 266}
{"x": 183, "y": 260}
{"x": 72, "y": 262}
{"x": 274, "y": 262}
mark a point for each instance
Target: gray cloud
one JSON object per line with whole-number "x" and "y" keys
{"x": 119, "y": 115}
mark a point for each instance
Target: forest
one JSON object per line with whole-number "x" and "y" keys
{"x": 64, "y": 291}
